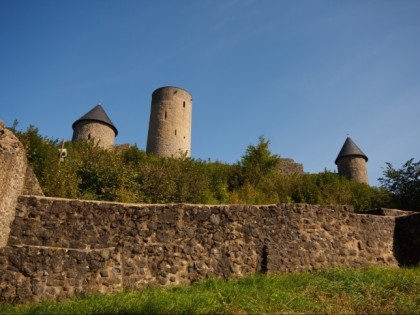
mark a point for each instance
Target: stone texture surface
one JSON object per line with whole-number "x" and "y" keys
{"x": 170, "y": 122}
{"x": 13, "y": 166}
{"x": 31, "y": 185}
{"x": 354, "y": 168}
{"x": 388, "y": 212}
{"x": 100, "y": 133}
{"x": 59, "y": 248}
{"x": 288, "y": 166}
{"x": 16, "y": 178}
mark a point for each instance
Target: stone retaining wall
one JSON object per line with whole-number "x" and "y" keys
{"x": 60, "y": 248}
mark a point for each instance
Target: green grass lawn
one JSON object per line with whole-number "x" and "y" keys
{"x": 371, "y": 290}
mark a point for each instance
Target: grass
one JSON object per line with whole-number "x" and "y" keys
{"x": 371, "y": 290}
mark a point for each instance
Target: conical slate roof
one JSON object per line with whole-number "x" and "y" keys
{"x": 97, "y": 114}
{"x": 350, "y": 149}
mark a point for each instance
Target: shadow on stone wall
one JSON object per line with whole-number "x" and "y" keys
{"x": 264, "y": 259}
{"x": 407, "y": 240}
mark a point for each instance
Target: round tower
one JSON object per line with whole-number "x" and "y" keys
{"x": 351, "y": 162}
{"x": 170, "y": 122}
{"x": 95, "y": 125}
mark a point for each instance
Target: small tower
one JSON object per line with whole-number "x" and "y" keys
{"x": 95, "y": 125}
{"x": 351, "y": 162}
{"x": 170, "y": 122}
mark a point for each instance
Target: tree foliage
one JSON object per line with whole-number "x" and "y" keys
{"x": 258, "y": 162}
{"x": 404, "y": 185}
{"x": 131, "y": 175}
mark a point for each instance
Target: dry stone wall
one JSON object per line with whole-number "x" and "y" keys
{"x": 60, "y": 248}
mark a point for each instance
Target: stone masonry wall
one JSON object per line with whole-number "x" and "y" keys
{"x": 60, "y": 248}
{"x": 288, "y": 166}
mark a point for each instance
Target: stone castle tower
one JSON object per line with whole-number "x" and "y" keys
{"x": 170, "y": 122}
{"x": 351, "y": 162}
{"x": 95, "y": 125}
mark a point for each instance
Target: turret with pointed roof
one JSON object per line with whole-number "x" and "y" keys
{"x": 95, "y": 125}
{"x": 351, "y": 162}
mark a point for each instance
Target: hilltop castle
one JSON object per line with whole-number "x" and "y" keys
{"x": 170, "y": 133}
{"x": 169, "y": 125}
{"x": 55, "y": 248}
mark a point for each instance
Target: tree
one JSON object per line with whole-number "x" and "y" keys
{"x": 40, "y": 151}
{"x": 403, "y": 184}
{"x": 132, "y": 175}
{"x": 258, "y": 161}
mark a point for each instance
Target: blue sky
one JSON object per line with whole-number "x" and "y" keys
{"x": 305, "y": 74}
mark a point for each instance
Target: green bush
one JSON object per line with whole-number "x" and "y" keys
{"x": 131, "y": 175}
{"x": 404, "y": 185}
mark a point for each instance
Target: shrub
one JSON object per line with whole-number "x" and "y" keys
{"x": 131, "y": 175}
{"x": 404, "y": 185}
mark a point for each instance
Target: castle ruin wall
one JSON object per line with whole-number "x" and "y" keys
{"x": 288, "y": 167}
{"x": 60, "y": 248}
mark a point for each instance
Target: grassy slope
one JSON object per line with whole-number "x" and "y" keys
{"x": 364, "y": 291}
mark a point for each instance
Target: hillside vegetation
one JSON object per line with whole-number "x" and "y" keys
{"x": 371, "y": 290}
{"x": 131, "y": 175}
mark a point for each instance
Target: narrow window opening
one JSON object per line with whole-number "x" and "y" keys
{"x": 175, "y": 132}
{"x": 166, "y": 115}
{"x": 89, "y": 136}
{"x": 183, "y": 104}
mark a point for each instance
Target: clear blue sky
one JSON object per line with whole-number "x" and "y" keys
{"x": 304, "y": 74}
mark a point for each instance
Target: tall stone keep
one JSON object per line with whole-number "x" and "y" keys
{"x": 351, "y": 162}
{"x": 170, "y": 122}
{"x": 95, "y": 125}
